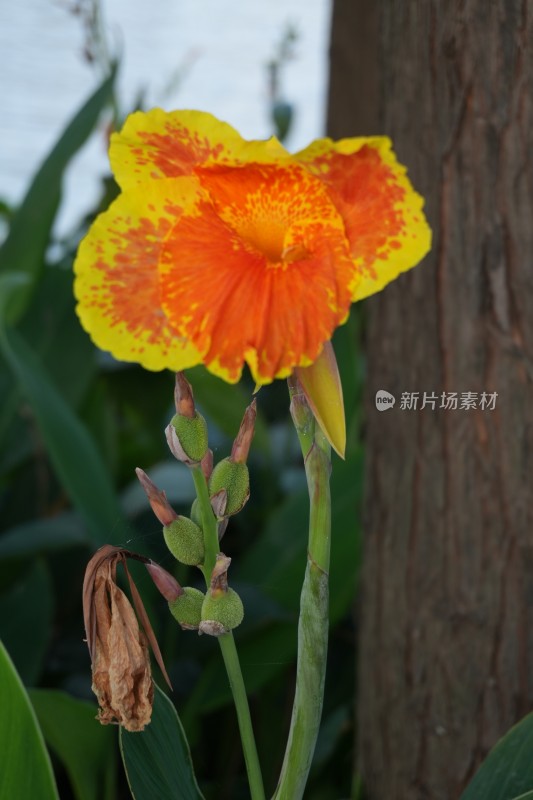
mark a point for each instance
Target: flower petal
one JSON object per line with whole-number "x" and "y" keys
{"x": 387, "y": 230}
{"x": 159, "y": 144}
{"x": 261, "y": 274}
{"x": 117, "y": 279}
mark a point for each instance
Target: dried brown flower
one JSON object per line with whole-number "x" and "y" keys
{"x": 122, "y": 679}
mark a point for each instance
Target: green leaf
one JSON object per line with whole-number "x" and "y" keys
{"x": 158, "y": 760}
{"x": 333, "y": 727}
{"x": 57, "y": 336}
{"x": 26, "y": 772}
{"x": 277, "y": 559}
{"x": 25, "y": 245}
{"x": 43, "y": 536}
{"x": 72, "y": 451}
{"x": 346, "y": 493}
{"x": 167, "y": 478}
{"x": 83, "y": 745}
{"x": 507, "y": 772}
{"x": 262, "y": 655}
{"x": 346, "y": 341}
{"x": 26, "y": 613}
{"x": 10, "y": 402}
{"x": 279, "y": 555}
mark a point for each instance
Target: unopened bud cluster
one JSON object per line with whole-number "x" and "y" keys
{"x": 220, "y": 609}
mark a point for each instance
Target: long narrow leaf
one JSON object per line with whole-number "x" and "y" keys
{"x": 157, "y": 760}
{"x": 43, "y": 536}
{"x": 25, "y": 245}
{"x": 26, "y": 626}
{"x": 84, "y": 747}
{"x": 25, "y": 769}
{"x": 71, "y": 449}
{"x": 507, "y": 772}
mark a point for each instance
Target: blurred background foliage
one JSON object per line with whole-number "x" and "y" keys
{"x": 74, "y": 424}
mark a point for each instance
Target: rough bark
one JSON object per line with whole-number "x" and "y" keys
{"x": 353, "y": 77}
{"x": 446, "y": 614}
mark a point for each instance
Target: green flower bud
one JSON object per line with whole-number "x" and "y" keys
{"x": 187, "y": 437}
{"x": 235, "y": 479}
{"x": 221, "y": 612}
{"x": 185, "y": 541}
{"x": 196, "y": 514}
{"x": 187, "y": 608}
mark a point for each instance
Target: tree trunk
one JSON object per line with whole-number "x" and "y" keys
{"x": 446, "y": 613}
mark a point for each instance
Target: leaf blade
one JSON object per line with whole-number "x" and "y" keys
{"x": 158, "y": 760}
{"x": 72, "y": 732}
{"x": 26, "y": 626}
{"x": 72, "y": 451}
{"x": 39, "y": 536}
{"x": 23, "y": 250}
{"x": 507, "y": 772}
{"x": 21, "y": 741}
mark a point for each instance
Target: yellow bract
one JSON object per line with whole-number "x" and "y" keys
{"x": 322, "y": 387}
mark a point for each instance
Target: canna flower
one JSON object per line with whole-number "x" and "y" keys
{"x": 224, "y": 252}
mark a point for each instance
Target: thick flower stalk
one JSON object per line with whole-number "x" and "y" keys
{"x": 224, "y": 252}
{"x": 313, "y": 620}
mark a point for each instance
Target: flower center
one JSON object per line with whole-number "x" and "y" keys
{"x": 267, "y": 207}
{"x": 269, "y": 237}
{"x": 265, "y": 235}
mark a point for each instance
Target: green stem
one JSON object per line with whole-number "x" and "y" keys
{"x": 227, "y": 643}
{"x": 313, "y": 623}
{"x": 233, "y": 669}
{"x": 209, "y": 523}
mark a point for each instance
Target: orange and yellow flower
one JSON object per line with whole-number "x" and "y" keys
{"x": 224, "y": 252}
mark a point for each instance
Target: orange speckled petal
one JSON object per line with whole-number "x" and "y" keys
{"x": 262, "y": 274}
{"x": 158, "y": 144}
{"x": 385, "y": 225}
{"x": 117, "y": 279}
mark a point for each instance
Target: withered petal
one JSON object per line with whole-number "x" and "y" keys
{"x": 89, "y": 619}
{"x": 122, "y": 679}
{"x": 145, "y": 622}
